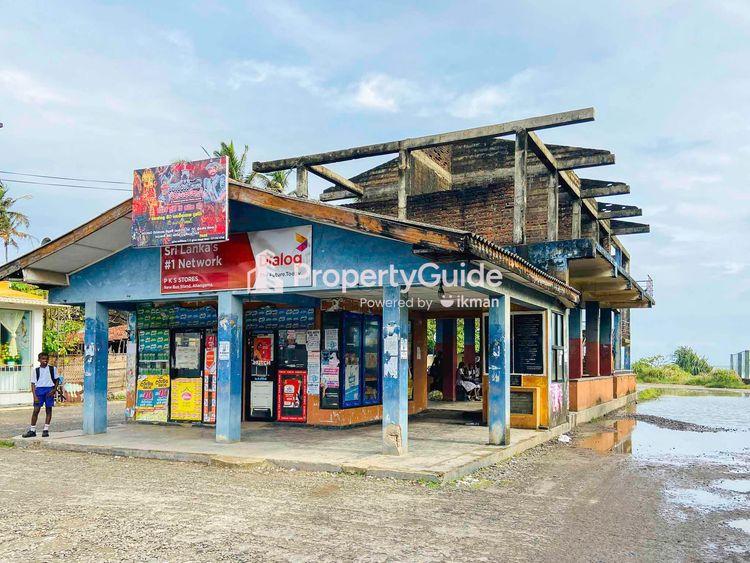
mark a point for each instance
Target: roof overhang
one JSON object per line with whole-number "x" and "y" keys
{"x": 589, "y": 268}
{"x": 51, "y": 264}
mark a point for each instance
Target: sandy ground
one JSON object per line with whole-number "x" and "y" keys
{"x": 557, "y": 502}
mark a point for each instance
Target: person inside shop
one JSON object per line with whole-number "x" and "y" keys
{"x": 435, "y": 374}
{"x": 44, "y": 384}
{"x": 464, "y": 381}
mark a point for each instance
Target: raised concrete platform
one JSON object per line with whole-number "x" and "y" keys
{"x": 439, "y": 449}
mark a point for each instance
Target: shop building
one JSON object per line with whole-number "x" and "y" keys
{"x": 212, "y": 342}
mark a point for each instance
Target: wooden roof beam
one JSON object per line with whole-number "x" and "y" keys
{"x": 602, "y": 188}
{"x": 628, "y": 227}
{"x": 338, "y": 179}
{"x": 614, "y": 210}
{"x": 488, "y": 131}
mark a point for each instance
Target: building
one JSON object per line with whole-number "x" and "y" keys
{"x": 346, "y": 345}
{"x": 740, "y": 363}
{"x": 21, "y": 325}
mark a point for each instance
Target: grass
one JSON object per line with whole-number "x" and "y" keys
{"x": 7, "y": 444}
{"x": 653, "y": 370}
{"x": 649, "y": 394}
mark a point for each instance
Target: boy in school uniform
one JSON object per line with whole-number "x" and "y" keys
{"x": 44, "y": 384}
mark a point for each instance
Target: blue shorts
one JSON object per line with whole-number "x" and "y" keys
{"x": 43, "y": 399}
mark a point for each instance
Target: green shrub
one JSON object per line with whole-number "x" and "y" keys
{"x": 690, "y": 361}
{"x": 649, "y": 394}
{"x": 655, "y": 370}
{"x": 724, "y": 379}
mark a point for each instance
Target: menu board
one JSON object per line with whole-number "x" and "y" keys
{"x": 528, "y": 343}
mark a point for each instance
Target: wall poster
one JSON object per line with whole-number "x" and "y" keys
{"x": 329, "y": 379}
{"x": 187, "y": 402}
{"x": 180, "y": 203}
{"x": 152, "y": 395}
{"x": 292, "y": 399}
{"x": 527, "y": 343}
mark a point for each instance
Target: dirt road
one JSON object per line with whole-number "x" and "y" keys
{"x": 557, "y": 502}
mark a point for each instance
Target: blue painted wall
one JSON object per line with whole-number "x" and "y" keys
{"x": 134, "y": 274}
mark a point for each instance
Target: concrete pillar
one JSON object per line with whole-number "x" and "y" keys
{"x": 617, "y": 339}
{"x": 450, "y": 359}
{"x": 229, "y": 369}
{"x": 605, "y": 341}
{"x": 575, "y": 369}
{"x": 395, "y": 372}
{"x": 96, "y": 352}
{"x": 470, "y": 348}
{"x": 591, "y": 361}
{"x": 498, "y": 366}
{"x": 626, "y": 358}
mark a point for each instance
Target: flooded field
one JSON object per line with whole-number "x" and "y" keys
{"x": 701, "y": 441}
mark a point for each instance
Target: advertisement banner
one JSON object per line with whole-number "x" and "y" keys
{"x": 180, "y": 203}
{"x": 152, "y": 395}
{"x": 259, "y": 261}
{"x": 187, "y": 399}
{"x": 209, "y": 379}
{"x": 292, "y": 400}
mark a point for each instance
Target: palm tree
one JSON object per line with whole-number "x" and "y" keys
{"x": 238, "y": 169}
{"x": 278, "y": 180}
{"x": 12, "y": 223}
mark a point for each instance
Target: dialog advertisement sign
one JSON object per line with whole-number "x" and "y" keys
{"x": 180, "y": 203}
{"x": 152, "y": 395}
{"x": 213, "y": 266}
{"x": 259, "y": 261}
{"x": 283, "y": 257}
{"x": 186, "y": 401}
{"x": 292, "y": 401}
{"x": 263, "y": 349}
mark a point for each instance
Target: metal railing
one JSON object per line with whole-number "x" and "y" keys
{"x": 647, "y": 285}
{"x": 15, "y": 379}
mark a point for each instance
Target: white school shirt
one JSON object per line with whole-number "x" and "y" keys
{"x": 45, "y": 377}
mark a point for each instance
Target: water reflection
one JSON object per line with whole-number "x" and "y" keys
{"x": 617, "y": 439}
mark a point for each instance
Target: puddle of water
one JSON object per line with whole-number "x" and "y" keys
{"x": 647, "y": 442}
{"x": 699, "y": 499}
{"x": 734, "y": 485}
{"x": 742, "y": 524}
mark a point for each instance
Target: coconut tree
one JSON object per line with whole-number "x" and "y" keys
{"x": 13, "y": 224}
{"x": 240, "y": 170}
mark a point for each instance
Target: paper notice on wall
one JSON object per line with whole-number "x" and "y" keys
{"x": 332, "y": 339}
{"x": 300, "y": 338}
{"x": 419, "y": 352}
{"x": 404, "y": 349}
{"x": 390, "y": 346}
{"x": 313, "y": 372}
{"x": 313, "y": 340}
{"x": 223, "y": 350}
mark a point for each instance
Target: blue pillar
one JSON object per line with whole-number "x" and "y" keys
{"x": 438, "y": 335}
{"x": 591, "y": 358}
{"x": 470, "y": 350}
{"x": 498, "y": 364}
{"x": 605, "y": 341}
{"x": 96, "y": 350}
{"x": 617, "y": 344}
{"x": 229, "y": 369}
{"x": 626, "y": 357}
{"x": 395, "y": 372}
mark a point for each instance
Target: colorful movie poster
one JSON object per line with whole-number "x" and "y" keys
{"x": 263, "y": 349}
{"x": 152, "y": 396}
{"x": 180, "y": 203}
{"x": 209, "y": 379}
{"x": 187, "y": 399}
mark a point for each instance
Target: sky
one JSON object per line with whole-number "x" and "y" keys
{"x": 95, "y": 90}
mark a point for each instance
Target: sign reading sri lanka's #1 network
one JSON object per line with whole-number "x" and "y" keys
{"x": 261, "y": 261}
{"x": 180, "y": 203}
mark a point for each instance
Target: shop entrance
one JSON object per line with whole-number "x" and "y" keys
{"x": 176, "y": 364}
{"x": 276, "y": 363}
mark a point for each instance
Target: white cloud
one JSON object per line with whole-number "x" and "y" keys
{"x": 381, "y": 92}
{"x": 248, "y": 72}
{"x": 490, "y": 99}
{"x": 24, "y": 88}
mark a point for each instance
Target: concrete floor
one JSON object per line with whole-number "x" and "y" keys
{"x": 439, "y": 450}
